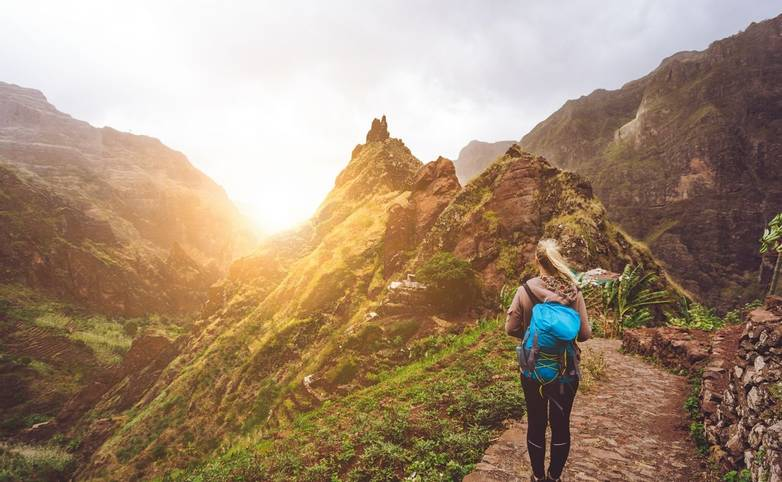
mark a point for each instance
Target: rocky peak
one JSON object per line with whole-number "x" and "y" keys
{"x": 379, "y": 130}
{"x": 439, "y": 169}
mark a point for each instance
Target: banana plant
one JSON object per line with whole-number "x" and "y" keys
{"x": 631, "y": 296}
{"x": 771, "y": 242}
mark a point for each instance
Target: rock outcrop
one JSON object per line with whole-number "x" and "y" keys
{"x": 433, "y": 188}
{"x": 379, "y": 131}
{"x": 679, "y": 154}
{"x": 496, "y": 220}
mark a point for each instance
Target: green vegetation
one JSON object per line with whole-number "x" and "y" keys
{"x": 34, "y": 463}
{"x": 771, "y": 242}
{"x": 697, "y": 316}
{"x": 693, "y": 408}
{"x": 625, "y": 302}
{"x": 108, "y": 338}
{"x": 452, "y": 283}
{"x": 428, "y": 420}
{"x": 743, "y": 475}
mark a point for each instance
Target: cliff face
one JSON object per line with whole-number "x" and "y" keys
{"x": 300, "y": 320}
{"x": 113, "y": 221}
{"x": 477, "y": 156}
{"x": 687, "y": 158}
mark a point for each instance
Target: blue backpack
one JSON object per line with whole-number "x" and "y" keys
{"x": 549, "y": 352}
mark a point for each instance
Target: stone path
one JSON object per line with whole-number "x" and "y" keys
{"x": 630, "y": 427}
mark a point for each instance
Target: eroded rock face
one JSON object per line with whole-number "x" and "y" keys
{"x": 683, "y": 152}
{"x": 496, "y": 220}
{"x": 433, "y": 188}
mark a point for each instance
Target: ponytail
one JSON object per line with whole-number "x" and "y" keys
{"x": 549, "y": 257}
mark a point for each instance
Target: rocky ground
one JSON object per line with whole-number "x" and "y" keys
{"x": 631, "y": 426}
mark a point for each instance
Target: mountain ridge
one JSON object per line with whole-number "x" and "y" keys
{"x": 311, "y": 316}
{"x": 673, "y": 153}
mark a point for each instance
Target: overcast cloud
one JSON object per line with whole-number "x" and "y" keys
{"x": 269, "y": 98}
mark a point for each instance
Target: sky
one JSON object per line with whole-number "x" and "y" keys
{"x": 269, "y": 98}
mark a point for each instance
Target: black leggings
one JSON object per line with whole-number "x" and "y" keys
{"x": 555, "y": 406}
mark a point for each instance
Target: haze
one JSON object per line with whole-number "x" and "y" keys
{"x": 270, "y": 98}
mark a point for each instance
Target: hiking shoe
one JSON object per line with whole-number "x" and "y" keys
{"x": 549, "y": 478}
{"x": 532, "y": 478}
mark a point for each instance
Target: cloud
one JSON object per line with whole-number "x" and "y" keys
{"x": 269, "y": 98}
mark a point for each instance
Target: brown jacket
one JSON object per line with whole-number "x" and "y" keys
{"x": 520, "y": 309}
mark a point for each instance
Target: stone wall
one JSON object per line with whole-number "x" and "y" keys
{"x": 741, "y": 385}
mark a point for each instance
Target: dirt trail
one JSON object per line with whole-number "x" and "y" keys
{"x": 630, "y": 427}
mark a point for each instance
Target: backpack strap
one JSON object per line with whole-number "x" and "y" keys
{"x": 535, "y": 300}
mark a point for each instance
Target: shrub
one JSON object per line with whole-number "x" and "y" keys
{"x": 343, "y": 372}
{"x": 744, "y": 475}
{"x": 736, "y": 316}
{"x": 696, "y": 316}
{"x": 34, "y": 463}
{"x": 452, "y": 283}
{"x": 593, "y": 365}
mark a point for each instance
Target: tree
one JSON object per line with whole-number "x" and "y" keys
{"x": 771, "y": 242}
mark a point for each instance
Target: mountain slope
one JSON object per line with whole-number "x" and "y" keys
{"x": 308, "y": 317}
{"x": 104, "y": 236}
{"x": 687, "y": 158}
{"x": 477, "y": 156}
{"x": 114, "y": 221}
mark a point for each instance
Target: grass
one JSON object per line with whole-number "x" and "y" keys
{"x": 108, "y": 337}
{"x": 32, "y": 463}
{"x": 105, "y": 336}
{"x": 693, "y": 408}
{"x": 593, "y": 365}
{"x": 428, "y": 420}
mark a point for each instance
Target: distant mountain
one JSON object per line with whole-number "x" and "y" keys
{"x": 113, "y": 221}
{"x": 104, "y": 236}
{"x": 476, "y": 156}
{"x": 687, "y": 158}
{"x": 310, "y": 315}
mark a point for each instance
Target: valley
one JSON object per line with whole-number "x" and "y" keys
{"x": 149, "y": 332}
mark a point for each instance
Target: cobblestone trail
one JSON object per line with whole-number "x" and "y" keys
{"x": 630, "y": 427}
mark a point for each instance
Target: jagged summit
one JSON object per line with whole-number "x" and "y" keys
{"x": 379, "y": 130}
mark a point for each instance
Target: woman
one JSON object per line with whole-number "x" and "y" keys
{"x": 548, "y": 402}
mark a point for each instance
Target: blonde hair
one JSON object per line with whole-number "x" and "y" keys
{"x": 548, "y": 256}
